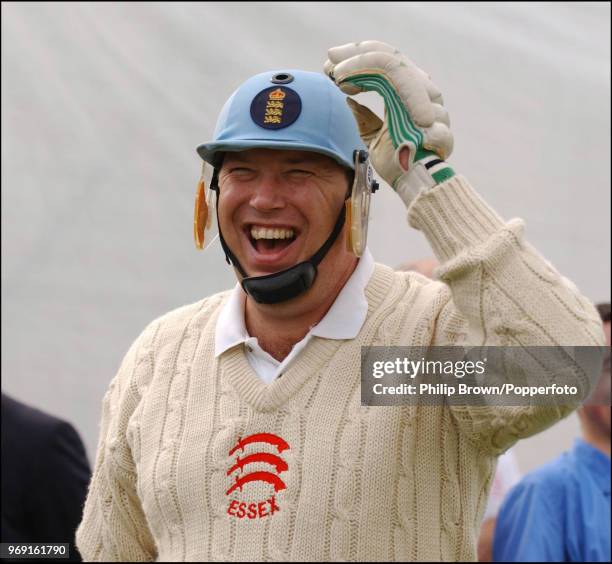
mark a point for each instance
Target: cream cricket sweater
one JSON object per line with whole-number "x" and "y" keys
{"x": 199, "y": 460}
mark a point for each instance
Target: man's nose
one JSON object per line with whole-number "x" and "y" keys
{"x": 268, "y": 194}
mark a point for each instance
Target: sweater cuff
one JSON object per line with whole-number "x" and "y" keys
{"x": 453, "y": 217}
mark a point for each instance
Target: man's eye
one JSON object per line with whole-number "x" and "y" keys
{"x": 241, "y": 171}
{"x": 299, "y": 172}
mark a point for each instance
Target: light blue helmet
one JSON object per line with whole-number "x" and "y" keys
{"x": 286, "y": 109}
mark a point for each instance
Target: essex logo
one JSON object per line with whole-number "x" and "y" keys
{"x": 241, "y": 479}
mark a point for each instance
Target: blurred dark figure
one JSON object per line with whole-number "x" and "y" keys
{"x": 561, "y": 511}
{"x": 45, "y": 474}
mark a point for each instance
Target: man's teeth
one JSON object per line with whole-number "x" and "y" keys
{"x": 264, "y": 233}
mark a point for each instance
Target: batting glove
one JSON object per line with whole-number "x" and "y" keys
{"x": 414, "y": 115}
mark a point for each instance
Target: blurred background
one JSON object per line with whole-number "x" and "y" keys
{"x": 103, "y": 105}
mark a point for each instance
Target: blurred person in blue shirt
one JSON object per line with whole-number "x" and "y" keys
{"x": 561, "y": 511}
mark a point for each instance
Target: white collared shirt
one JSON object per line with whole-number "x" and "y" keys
{"x": 343, "y": 321}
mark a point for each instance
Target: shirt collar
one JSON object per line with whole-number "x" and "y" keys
{"x": 343, "y": 320}
{"x": 230, "y": 329}
{"x": 596, "y": 461}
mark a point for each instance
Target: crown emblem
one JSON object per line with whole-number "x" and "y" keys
{"x": 277, "y": 94}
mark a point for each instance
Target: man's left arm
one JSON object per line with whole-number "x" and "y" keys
{"x": 507, "y": 295}
{"x": 502, "y": 291}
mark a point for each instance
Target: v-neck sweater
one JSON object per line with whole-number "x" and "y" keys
{"x": 199, "y": 460}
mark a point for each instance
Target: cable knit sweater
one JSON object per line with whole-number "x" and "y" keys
{"x": 199, "y": 460}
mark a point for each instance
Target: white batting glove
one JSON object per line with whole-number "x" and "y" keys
{"x": 414, "y": 115}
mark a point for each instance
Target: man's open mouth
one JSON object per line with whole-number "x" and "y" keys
{"x": 270, "y": 240}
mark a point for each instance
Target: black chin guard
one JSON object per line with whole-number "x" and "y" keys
{"x": 280, "y": 286}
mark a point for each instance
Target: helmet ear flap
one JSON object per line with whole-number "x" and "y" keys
{"x": 200, "y": 217}
{"x": 203, "y": 213}
{"x": 358, "y": 204}
{"x": 348, "y": 210}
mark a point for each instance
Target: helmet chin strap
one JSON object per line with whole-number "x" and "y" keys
{"x": 286, "y": 284}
